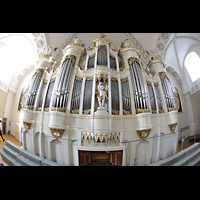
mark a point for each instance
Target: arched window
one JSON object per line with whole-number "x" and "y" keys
{"x": 192, "y": 64}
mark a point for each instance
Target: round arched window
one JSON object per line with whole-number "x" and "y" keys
{"x": 192, "y": 64}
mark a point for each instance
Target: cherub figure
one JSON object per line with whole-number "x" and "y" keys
{"x": 102, "y": 95}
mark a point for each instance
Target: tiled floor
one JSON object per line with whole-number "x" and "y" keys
{"x": 3, "y": 143}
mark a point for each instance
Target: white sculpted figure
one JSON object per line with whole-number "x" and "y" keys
{"x": 102, "y": 95}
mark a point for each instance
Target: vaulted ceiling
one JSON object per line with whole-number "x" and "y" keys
{"x": 170, "y": 47}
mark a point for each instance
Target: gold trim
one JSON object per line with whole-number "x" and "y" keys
{"x": 156, "y": 60}
{"x": 75, "y": 111}
{"x": 39, "y": 108}
{"x": 171, "y": 109}
{"x": 87, "y": 111}
{"x": 130, "y": 47}
{"x": 27, "y": 125}
{"x": 153, "y": 73}
{"x": 162, "y": 76}
{"x": 156, "y": 84}
{"x": 102, "y": 76}
{"x": 39, "y": 72}
{"x": 46, "y": 109}
{"x": 113, "y": 79}
{"x": 124, "y": 79}
{"x": 56, "y": 132}
{"x": 125, "y": 112}
{"x": 142, "y": 111}
{"x": 72, "y": 57}
{"x": 143, "y": 134}
{"x": 172, "y": 127}
{"x": 52, "y": 80}
{"x": 45, "y": 81}
{"x": 132, "y": 60}
{"x": 79, "y": 78}
{"x": 63, "y": 109}
{"x": 115, "y": 112}
{"x": 148, "y": 83}
{"x": 29, "y": 107}
{"x": 89, "y": 78}
{"x": 112, "y": 56}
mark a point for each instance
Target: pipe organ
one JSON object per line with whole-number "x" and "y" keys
{"x": 92, "y": 95}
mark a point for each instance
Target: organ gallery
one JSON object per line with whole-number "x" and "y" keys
{"x": 100, "y": 105}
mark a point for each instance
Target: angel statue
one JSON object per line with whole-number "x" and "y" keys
{"x": 102, "y": 95}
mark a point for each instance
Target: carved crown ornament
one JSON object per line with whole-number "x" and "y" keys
{"x": 143, "y": 134}
{"x": 57, "y": 133}
{"x": 172, "y": 127}
{"x": 27, "y": 125}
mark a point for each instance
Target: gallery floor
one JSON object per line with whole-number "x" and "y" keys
{"x": 3, "y": 143}
{"x": 12, "y": 139}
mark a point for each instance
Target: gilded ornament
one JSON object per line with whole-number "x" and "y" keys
{"x": 57, "y": 133}
{"x": 63, "y": 109}
{"x": 172, "y": 127}
{"x": 39, "y": 72}
{"x": 162, "y": 76}
{"x": 115, "y": 112}
{"x": 72, "y": 57}
{"x": 29, "y": 107}
{"x": 125, "y": 112}
{"x": 124, "y": 80}
{"x": 87, "y": 111}
{"x": 132, "y": 60}
{"x": 142, "y": 111}
{"x": 143, "y": 134}
{"x": 27, "y": 125}
{"x": 39, "y": 108}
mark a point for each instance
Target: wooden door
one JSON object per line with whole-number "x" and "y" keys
{"x": 116, "y": 158}
{"x": 84, "y": 158}
{"x": 100, "y": 158}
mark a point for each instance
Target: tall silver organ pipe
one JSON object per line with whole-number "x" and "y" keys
{"x": 152, "y": 97}
{"x": 87, "y": 95}
{"x": 62, "y": 88}
{"x": 115, "y": 95}
{"x": 49, "y": 94}
{"x": 102, "y": 56}
{"x": 76, "y": 93}
{"x": 126, "y": 99}
{"x": 113, "y": 63}
{"x": 140, "y": 94}
{"x": 30, "y": 100}
{"x": 167, "y": 90}
{"x": 42, "y": 94}
{"x": 159, "y": 100}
